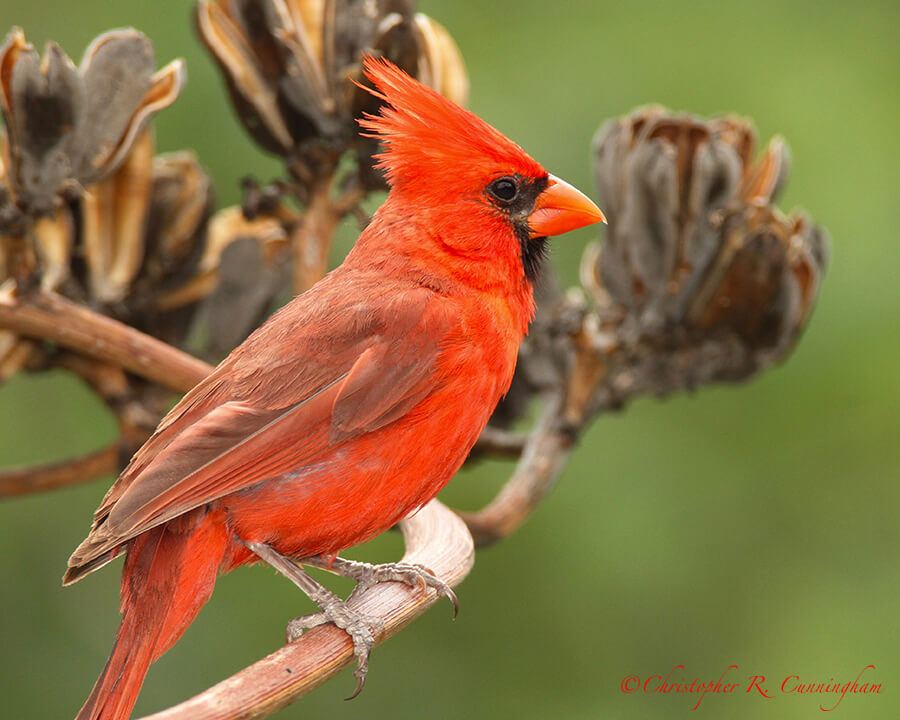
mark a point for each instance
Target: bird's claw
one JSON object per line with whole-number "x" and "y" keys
{"x": 414, "y": 575}
{"x": 297, "y": 626}
{"x": 362, "y": 630}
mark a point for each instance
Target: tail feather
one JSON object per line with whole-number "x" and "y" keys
{"x": 169, "y": 574}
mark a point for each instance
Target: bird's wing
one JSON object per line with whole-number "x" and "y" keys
{"x": 257, "y": 417}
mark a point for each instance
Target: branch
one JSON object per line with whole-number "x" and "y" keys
{"x": 435, "y": 537}
{"x": 65, "y": 473}
{"x": 543, "y": 459}
{"x": 48, "y": 316}
{"x": 312, "y": 237}
{"x": 500, "y": 442}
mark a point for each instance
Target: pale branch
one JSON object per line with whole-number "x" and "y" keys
{"x": 543, "y": 458}
{"x": 435, "y": 537}
{"x": 65, "y": 473}
{"x": 48, "y": 316}
{"x": 498, "y": 441}
{"x": 311, "y": 237}
{"x": 313, "y": 234}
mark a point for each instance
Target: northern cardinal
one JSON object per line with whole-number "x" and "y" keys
{"x": 353, "y": 405}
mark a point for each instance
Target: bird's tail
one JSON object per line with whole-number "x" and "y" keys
{"x": 168, "y": 576}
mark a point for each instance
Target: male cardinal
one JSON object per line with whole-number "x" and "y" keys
{"x": 353, "y": 405}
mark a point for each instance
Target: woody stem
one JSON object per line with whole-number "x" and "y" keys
{"x": 46, "y": 315}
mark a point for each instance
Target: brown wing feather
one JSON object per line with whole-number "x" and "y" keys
{"x": 351, "y": 370}
{"x": 388, "y": 380}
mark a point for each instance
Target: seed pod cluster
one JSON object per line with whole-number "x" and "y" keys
{"x": 88, "y": 210}
{"x": 696, "y": 254}
{"x": 290, "y": 68}
{"x": 69, "y": 127}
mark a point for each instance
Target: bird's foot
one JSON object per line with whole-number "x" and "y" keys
{"x": 367, "y": 575}
{"x": 362, "y": 630}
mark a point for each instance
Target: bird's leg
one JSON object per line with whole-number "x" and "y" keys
{"x": 361, "y": 628}
{"x": 366, "y": 575}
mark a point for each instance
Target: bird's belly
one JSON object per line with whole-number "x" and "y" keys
{"x": 363, "y": 486}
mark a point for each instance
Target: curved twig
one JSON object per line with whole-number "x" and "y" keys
{"x": 543, "y": 459}
{"x": 435, "y": 537}
{"x": 49, "y": 316}
{"x": 65, "y": 473}
{"x": 500, "y": 442}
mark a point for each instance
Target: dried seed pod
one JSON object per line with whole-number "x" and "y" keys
{"x": 148, "y": 255}
{"x": 236, "y": 280}
{"x": 289, "y": 64}
{"x": 54, "y": 239}
{"x": 12, "y": 220}
{"x": 440, "y": 62}
{"x": 140, "y": 233}
{"x": 696, "y": 254}
{"x": 113, "y": 213}
{"x": 71, "y": 127}
{"x": 226, "y": 227}
{"x": 764, "y": 282}
{"x": 173, "y": 235}
{"x": 143, "y": 231}
{"x": 179, "y": 204}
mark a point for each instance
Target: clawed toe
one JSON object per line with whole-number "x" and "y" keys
{"x": 297, "y": 626}
{"x": 367, "y": 575}
{"x": 418, "y": 576}
{"x": 362, "y": 630}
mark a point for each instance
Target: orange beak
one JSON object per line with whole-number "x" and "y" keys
{"x": 561, "y": 208}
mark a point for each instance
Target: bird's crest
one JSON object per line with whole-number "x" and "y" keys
{"x": 425, "y": 134}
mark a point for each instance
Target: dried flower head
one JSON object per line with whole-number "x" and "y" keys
{"x": 695, "y": 248}
{"x": 238, "y": 277}
{"x": 140, "y": 246}
{"x": 289, "y": 65}
{"x": 70, "y": 127}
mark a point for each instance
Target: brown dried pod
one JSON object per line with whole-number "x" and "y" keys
{"x": 237, "y": 278}
{"x": 174, "y": 213}
{"x": 140, "y": 234}
{"x": 12, "y": 220}
{"x": 71, "y": 127}
{"x": 181, "y": 201}
{"x": 288, "y": 64}
{"x": 667, "y": 180}
{"x": 171, "y": 218}
{"x": 697, "y": 260}
{"x": 113, "y": 213}
{"x": 226, "y": 227}
{"x": 54, "y": 239}
{"x": 440, "y": 64}
{"x": 763, "y": 283}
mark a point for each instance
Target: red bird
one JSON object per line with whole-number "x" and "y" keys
{"x": 353, "y": 405}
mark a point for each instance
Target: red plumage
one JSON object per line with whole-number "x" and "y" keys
{"x": 354, "y": 404}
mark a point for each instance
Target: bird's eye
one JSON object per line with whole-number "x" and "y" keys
{"x": 504, "y": 189}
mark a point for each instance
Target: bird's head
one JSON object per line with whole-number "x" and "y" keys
{"x": 480, "y": 194}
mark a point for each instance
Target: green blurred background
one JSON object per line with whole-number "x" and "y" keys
{"x": 752, "y": 526}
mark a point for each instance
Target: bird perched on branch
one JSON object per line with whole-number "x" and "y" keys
{"x": 353, "y": 405}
